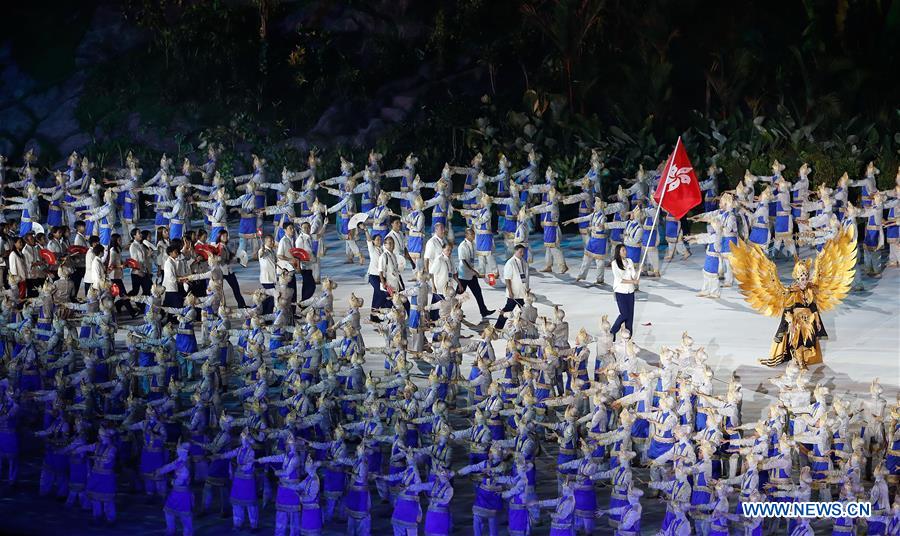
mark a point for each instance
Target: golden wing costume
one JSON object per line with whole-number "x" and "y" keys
{"x": 818, "y": 287}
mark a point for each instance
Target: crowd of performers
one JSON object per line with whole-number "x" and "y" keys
{"x": 210, "y": 404}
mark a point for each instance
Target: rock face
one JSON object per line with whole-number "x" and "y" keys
{"x": 44, "y": 117}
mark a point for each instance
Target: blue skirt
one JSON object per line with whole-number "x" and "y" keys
{"x": 517, "y": 517}
{"x": 615, "y": 502}
{"x": 25, "y": 228}
{"x": 414, "y": 244}
{"x": 892, "y": 233}
{"x": 358, "y": 500}
{"x": 633, "y": 253}
{"x": 551, "y": 234}
{"x": 484, "y": 242}
{"x": 243, "y": 490}
{"x": 596, "y": 246}
{"x": 186, "y": 343}
{"x": 311, "y": 518}
{"x": 759, "y": 235}
{"x": 105, "y": 235}
{"x": 101, "y": 486}
{"x": 54, "y": 216}
{"x": 180, "y": 501}
{"x": 507, "y": 224}
{"x": 726, "y": 243}
{"x": 176, "y": 230}
{"x": 437, "y": 522}
{"x": 247, "y": 226}
{"x": 871, "y": 238}
{"x": 343, "y": 226}
{"x": 334, "y": 481}
{"x": 160, "y": 221}
{"x": 616, "y": 235}
{"x": 488, "y": 500}
{"x": 782, "y": 224}
{"x": 891, "y": 461}
{"x": 700, "y": 418}
{"x": 640, "y": 429}
{"x": 128, "y": 211}
{"x": 406, "y": 511}
{"x": 287, "y": 500}
{"x": 214, "y": 234}
{"x": 673, "y": 228}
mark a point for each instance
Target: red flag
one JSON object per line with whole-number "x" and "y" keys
{"x": 679, "y": 190}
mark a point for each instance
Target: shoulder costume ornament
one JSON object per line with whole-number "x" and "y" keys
{"x": 819, "y": 286}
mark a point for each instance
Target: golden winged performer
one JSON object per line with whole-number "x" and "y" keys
{"x": 818, "y": 287}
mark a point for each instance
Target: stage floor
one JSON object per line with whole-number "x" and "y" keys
{"x": 864, "y": 343}
{"x": 864, "y": 331}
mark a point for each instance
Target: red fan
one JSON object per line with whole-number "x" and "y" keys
{"x": 202, "y": 250}
{"x": 48, "y": 256}
{"x": 491, "y": 279}
{"x": 259, "y": 232}
{"x": 389, "y": 290}
{"x": 77, "y": 250}
{"x": 133, "y": 264}
{"x": 114, "y": 290}
{"x": 300, "y": 254}
{"x": 215, "y": 249}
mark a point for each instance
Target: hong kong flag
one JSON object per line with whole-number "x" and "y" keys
{"x": 678, "y": 191}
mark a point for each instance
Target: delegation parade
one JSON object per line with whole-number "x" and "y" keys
{"x": 173, "y": 336}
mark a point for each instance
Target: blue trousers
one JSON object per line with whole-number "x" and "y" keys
{"x": 626, "y": 313}
{"x": 379, "y": 297}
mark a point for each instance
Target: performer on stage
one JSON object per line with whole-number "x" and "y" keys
{"x": 818, "y": 288}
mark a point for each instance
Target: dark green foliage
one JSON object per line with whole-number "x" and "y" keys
{"x": 743, "y": 83}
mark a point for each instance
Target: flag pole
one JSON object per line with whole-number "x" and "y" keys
{"x": 653, "y": 229}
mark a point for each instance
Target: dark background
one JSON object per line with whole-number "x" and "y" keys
{"x": 744, "y": 82}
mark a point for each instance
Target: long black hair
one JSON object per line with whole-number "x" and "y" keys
{"x": 617, "y": 256}
{"x": 15, "y": 249}
{"x": 115, "y": 242}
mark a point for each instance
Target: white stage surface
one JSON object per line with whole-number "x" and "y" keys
{"x": 864, "y": 331}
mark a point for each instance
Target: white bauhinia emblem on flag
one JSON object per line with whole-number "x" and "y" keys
{"x": 678, "y": 176}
